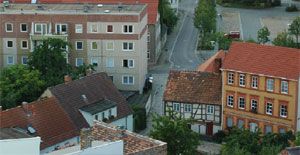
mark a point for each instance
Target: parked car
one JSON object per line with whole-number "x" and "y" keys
{"x": 233, "y": 34}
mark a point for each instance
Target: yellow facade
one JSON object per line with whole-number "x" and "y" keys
{"x": 262, "y": 95}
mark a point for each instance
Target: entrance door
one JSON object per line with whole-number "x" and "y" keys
{"x": 209, "y": 129}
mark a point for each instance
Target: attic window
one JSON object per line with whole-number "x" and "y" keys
{"x": 31, "y": 129}
{"x": 83, "y": 96}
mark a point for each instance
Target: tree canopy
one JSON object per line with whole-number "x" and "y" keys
{"x": 284, "y": 40}
{"x": 18, "y": 84}
{"x": 263, "y": 35}
{"x": 205, "y": 16}
{"x": 174, "y": 130}
{"x": 295, "y": 29}
{"x": 168, "y": 16}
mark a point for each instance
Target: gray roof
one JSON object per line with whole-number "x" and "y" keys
{"x": 11, "y": 133}
{"x": 98, "y": 106}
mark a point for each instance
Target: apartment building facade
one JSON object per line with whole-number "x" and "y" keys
{"x": 261, "y": 88}
{"x": 112, "y": 37}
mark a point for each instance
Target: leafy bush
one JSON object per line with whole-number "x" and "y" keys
{"x": 219, "y": 136}
{"x": 139, "y": 117}
{"x": 291, "y": 8}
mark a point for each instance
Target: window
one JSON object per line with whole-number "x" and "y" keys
{"x": 23, "y": 27}
{"x": 241, "y": 103}
{"x": 128, "y": 80}
{"x": 110, "y": 62}
{"x": 270, "y": 84}
{"x": 242, "y": 80}
{"x": 230, "y": 78}
{"x": 176, "y": 107}
{"x": 229, "y": 122}
{"x": 269, "y": 108}
{"x": 9, "y": 27}
{"x": 210, "y": 109}
{"x": 148, "y": 54}
{"x": 254, "y": 81}
{"x": 284, "y": 87}
{"x": 41, "y": 28}
{"x": 268, "y": 129}
{"x": 230, "y": 100}
{"x": 24, "y": 44}
{"x": 103, "y": 115}
{"x": 110, "y": 29}
{"x": 109, "y": 112}
{"x": 61, "y": 28}
{"x": 112, "y": 78}
{"x": 79, "y": 45}
{"x": 253, "y": 126}
{"x": 96, "y": 117}
{"x": 94, "y": 28}
{"x": 78, "y": 28}
{"x": 94, "y": 45}
{"x": 9, "y": 44}
{"x": 148, "y": 37}
{"x": 254, "y": 105}
{"x": 128, "y": 63}
{"x": 127, "y": 46}
{"x": 127, "y": 29}
{"x": 241, "y": 123}
{"x": 79, "y": 61}
{"x": 283, "y": 111}
{"x": 94, "y": 61}
{"x": 187, "y": 107}
{"x": 24, "y": 60}
{"x": 281, "y": 130}
{"x": 110, "y": 46}
{"x": 10, "y": 60}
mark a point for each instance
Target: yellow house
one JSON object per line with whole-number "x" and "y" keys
{"x": 260, "y": 88}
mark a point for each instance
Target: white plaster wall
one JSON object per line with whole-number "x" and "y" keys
{"x": 216, "y": 128}
{"x": 20, "y": 146}
{"x": 202, "y": 129}
{"x": 128, "y": 125}
{"x": 113, "y": 148}
{"x": 75, "y": 139}
{"x": 89, "y": 118}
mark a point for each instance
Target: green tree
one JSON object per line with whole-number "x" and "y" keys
{"x": 205, "y": 16}
{"x": 18, "y": 84}
{"x": 263, "y": 35}
{"x": 297, "y": 140}
{"x": 174, "y": 130}
{"x": 284, "y": 40}
{"x": 167, "y": 14}
{"x": 49, "y": 59}
{"x": 80, "y": 71}
{"x": 295, "y": 28}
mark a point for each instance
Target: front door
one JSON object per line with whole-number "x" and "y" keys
{"x": 209, "y": 129}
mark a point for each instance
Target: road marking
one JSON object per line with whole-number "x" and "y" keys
{"x": 241, "y": 27}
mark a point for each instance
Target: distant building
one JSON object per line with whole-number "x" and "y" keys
{"x": 112, "y": 37}
{"x": 214, "y": 63}
{"x": 196, "y": 95}
{"x": 13, "y": 141}
{"x": 260, "y": 88}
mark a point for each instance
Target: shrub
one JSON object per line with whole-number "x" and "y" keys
{"x": 219, "y": 136}
{"x": 139, "y": 116}
{"x": 111, "y": 117}
{"x": 104, "y": 120}
{"x": 291, "y": 8}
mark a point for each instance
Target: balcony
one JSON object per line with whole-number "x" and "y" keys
{"x": 46, "y": 36}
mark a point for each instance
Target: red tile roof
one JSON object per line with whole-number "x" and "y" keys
{"x": 211, "y": 65}
{"x": 193, "y": 87}
{"x": 263, "y": 59}
{"x": 47, "y": 117}
{"x": 95, "y": 87}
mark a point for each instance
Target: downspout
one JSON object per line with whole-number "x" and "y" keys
{"x": 221, "y": 116}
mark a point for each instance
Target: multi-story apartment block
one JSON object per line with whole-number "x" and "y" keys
{"x": 113, "y": 37}
{"x": 261, "y": 88}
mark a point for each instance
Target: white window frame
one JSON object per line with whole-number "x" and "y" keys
{"x": 92, "y": 61}
{"x": 13, "y": 60}
{"x": 7, "y": 43}
{"x": 252, "y": 104}
{"x": 270, "y": 83}
{"x": 107, "y": 62}
{"x": 240, "y": 100}
{"x": 77, "y": 62}
{"x": 22, "y": 44}
{"x": 176, "y": 107}
{"x": 78, "y": 28}
{"x": 284, "y": 87}
{"x": 77, "y": 47}
{"x": 112, "y": 46}
{"x": 128, "y": 46}
{"x": 21, "y": 27}
{"x": 254, "y": 83}
{"x": 60, "y": 27}
{"x": 228, "y": 99}
{"x": 123, "y": 29}
{"x": 35, "y": 27}
{"x": 269, "y": 107}
{"x": 127, "y": 76}
{"x": 187, "y": 107}
{"x": 230, "y": 78}
{"x": 242, "y": 80}
{"x": 96, "y": 28}
{"x": 92, "y": 45}
{"x": 148, "y": 37}
{"x": 23, "y": 60}
{"x": 12, "y": 27}
{"x": 107, "y": 28}
{"x": 210, "y": 109}
{"x": 281, "y": 112}
{"x": 128, "y": 66}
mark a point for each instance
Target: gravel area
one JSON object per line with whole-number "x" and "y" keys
{"x": 276, "y": 24}
{"x": 230, "y": 21}
{"x": 209, "y": 148}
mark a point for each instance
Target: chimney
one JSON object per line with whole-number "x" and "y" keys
{"x": 67, "y": 79}
{"x": 217, "y": 65}
{"x": 85, "y": 138}
{"x": 120, "y": 131}
{"x": 89, "y": 72}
